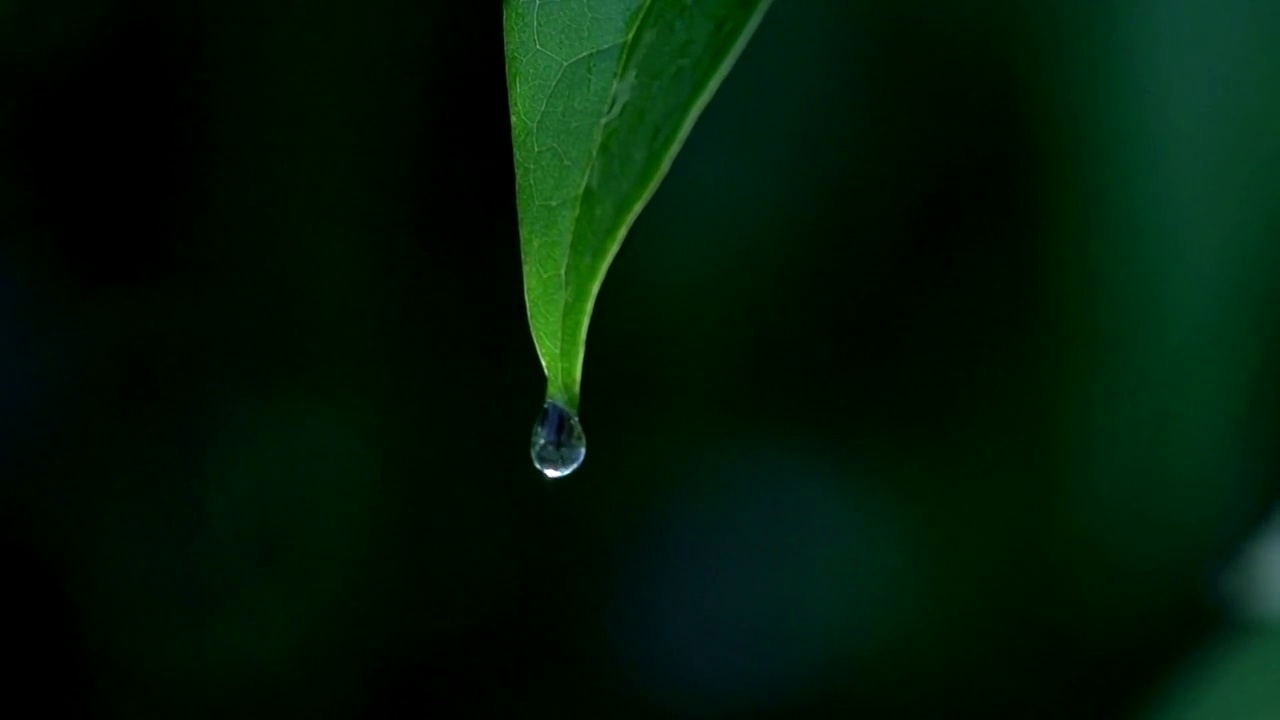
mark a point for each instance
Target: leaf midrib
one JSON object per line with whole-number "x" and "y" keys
{"x": 624, "y": 57}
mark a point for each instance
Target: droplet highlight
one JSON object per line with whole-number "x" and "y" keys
{"x": 558, "y": 445}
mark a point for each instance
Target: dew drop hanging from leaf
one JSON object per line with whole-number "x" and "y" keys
{"x": 558, "y": 445}
{"x": 603, "y": 93}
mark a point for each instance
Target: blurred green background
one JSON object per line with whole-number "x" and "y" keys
{"x": 938, "y": 380}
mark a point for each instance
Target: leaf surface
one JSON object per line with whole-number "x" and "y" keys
{"x": 603, "y": 93}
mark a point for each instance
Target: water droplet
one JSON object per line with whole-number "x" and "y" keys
{"x": 558, "y": 445}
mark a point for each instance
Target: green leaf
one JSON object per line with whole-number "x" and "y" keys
{"x": 603, "y": 94}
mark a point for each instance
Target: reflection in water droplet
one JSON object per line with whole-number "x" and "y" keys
{"x": 558, "y": 445}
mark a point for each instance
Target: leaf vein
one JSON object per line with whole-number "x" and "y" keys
{"x": 626, "y": 42}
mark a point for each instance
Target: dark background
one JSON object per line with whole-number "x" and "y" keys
{"x": 940, "y": 379}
